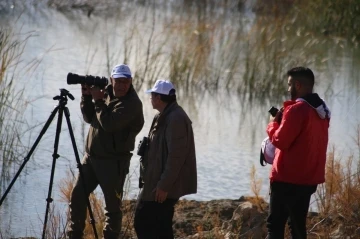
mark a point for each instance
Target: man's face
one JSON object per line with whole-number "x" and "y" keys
{"x": 155, "y": 100}
{"x": 292, "y": 88}
{"x": 121, "y": 86}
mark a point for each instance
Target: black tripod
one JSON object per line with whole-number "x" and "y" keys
{"x": 61, "y": 108}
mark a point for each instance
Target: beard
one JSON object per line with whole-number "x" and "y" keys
{"x": 293, "y": 93}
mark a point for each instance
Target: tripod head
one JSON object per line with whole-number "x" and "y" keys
{"x": 62, "y": 98}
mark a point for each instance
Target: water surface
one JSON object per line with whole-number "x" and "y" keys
{"x": 228, "y": 126}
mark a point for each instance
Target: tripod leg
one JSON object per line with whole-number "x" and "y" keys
{"x": 55, "y": 156}
{"x": 92, "y": 220}
{"x": 26, "y": 159}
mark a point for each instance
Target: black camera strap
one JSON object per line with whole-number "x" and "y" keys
{"x": 262, "y": 159}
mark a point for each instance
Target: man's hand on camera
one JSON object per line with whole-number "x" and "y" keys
{"x": 97, "y": 93}
{"x": 85, "y": 89}
{"x": 160, "y": 195}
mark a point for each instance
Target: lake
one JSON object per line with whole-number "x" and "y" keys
{"x": 227, "y": 79}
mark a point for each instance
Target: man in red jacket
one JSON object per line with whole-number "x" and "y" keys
{"x": 300, "y": 134}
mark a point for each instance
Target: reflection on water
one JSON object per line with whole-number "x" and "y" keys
{"x": 227, "y": 63}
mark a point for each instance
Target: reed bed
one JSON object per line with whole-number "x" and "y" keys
{"x": 212, "y": 45}
{"x": 12, "y": 105}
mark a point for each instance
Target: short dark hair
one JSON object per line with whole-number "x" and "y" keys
{"x": 302, "y": 74}
{"x": 171, "y": 97}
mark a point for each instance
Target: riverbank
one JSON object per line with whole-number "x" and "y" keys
{"x": 242, "y": 218}
{"x": 223, "y": 218}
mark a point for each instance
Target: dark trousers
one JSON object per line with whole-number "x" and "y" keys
{"x": 110, "y": 175}
{"x": 154, "y": 220}
{"x": 288, "y": 201}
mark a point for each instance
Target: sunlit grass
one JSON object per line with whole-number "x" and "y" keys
{"x": 12, "y": 104}
{"x": 12, "y": 107}
{"x": 97, "y": 207}
{"x": 338, "y": 198}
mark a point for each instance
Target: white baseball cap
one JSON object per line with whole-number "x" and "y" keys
{"x": 162, "y": 87}
{"x": 121, "y": 71}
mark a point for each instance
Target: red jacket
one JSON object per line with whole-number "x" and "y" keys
{"x": 301, "y": 142}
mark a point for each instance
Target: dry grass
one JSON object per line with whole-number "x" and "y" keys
{"x": 12, "y": 108}
{"x": 96, "y": 202}
{"x": 338, "y": 198}
{"x": 11, "y": 105}
{"x": 97, "y": 207}
{"x": 255, "y": 184}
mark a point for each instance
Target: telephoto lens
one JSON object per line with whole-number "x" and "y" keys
{"x": 90, "y": 80}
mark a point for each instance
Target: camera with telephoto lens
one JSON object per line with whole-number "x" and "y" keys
{"x": 89, "y": 80}
{"x": 273, "y": 111}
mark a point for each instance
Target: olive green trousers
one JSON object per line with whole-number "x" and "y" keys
{"x": 110, "y": 175}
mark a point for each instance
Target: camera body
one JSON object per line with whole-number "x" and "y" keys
{"x": 273, "y": 111}
{"x": 90, "y": 80}
{"x": 141, "y": 152}
{"x": 142, "y": 146}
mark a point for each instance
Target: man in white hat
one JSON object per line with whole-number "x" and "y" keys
{"x": 115, "y": 116}
{"x": 169, "y": 165}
